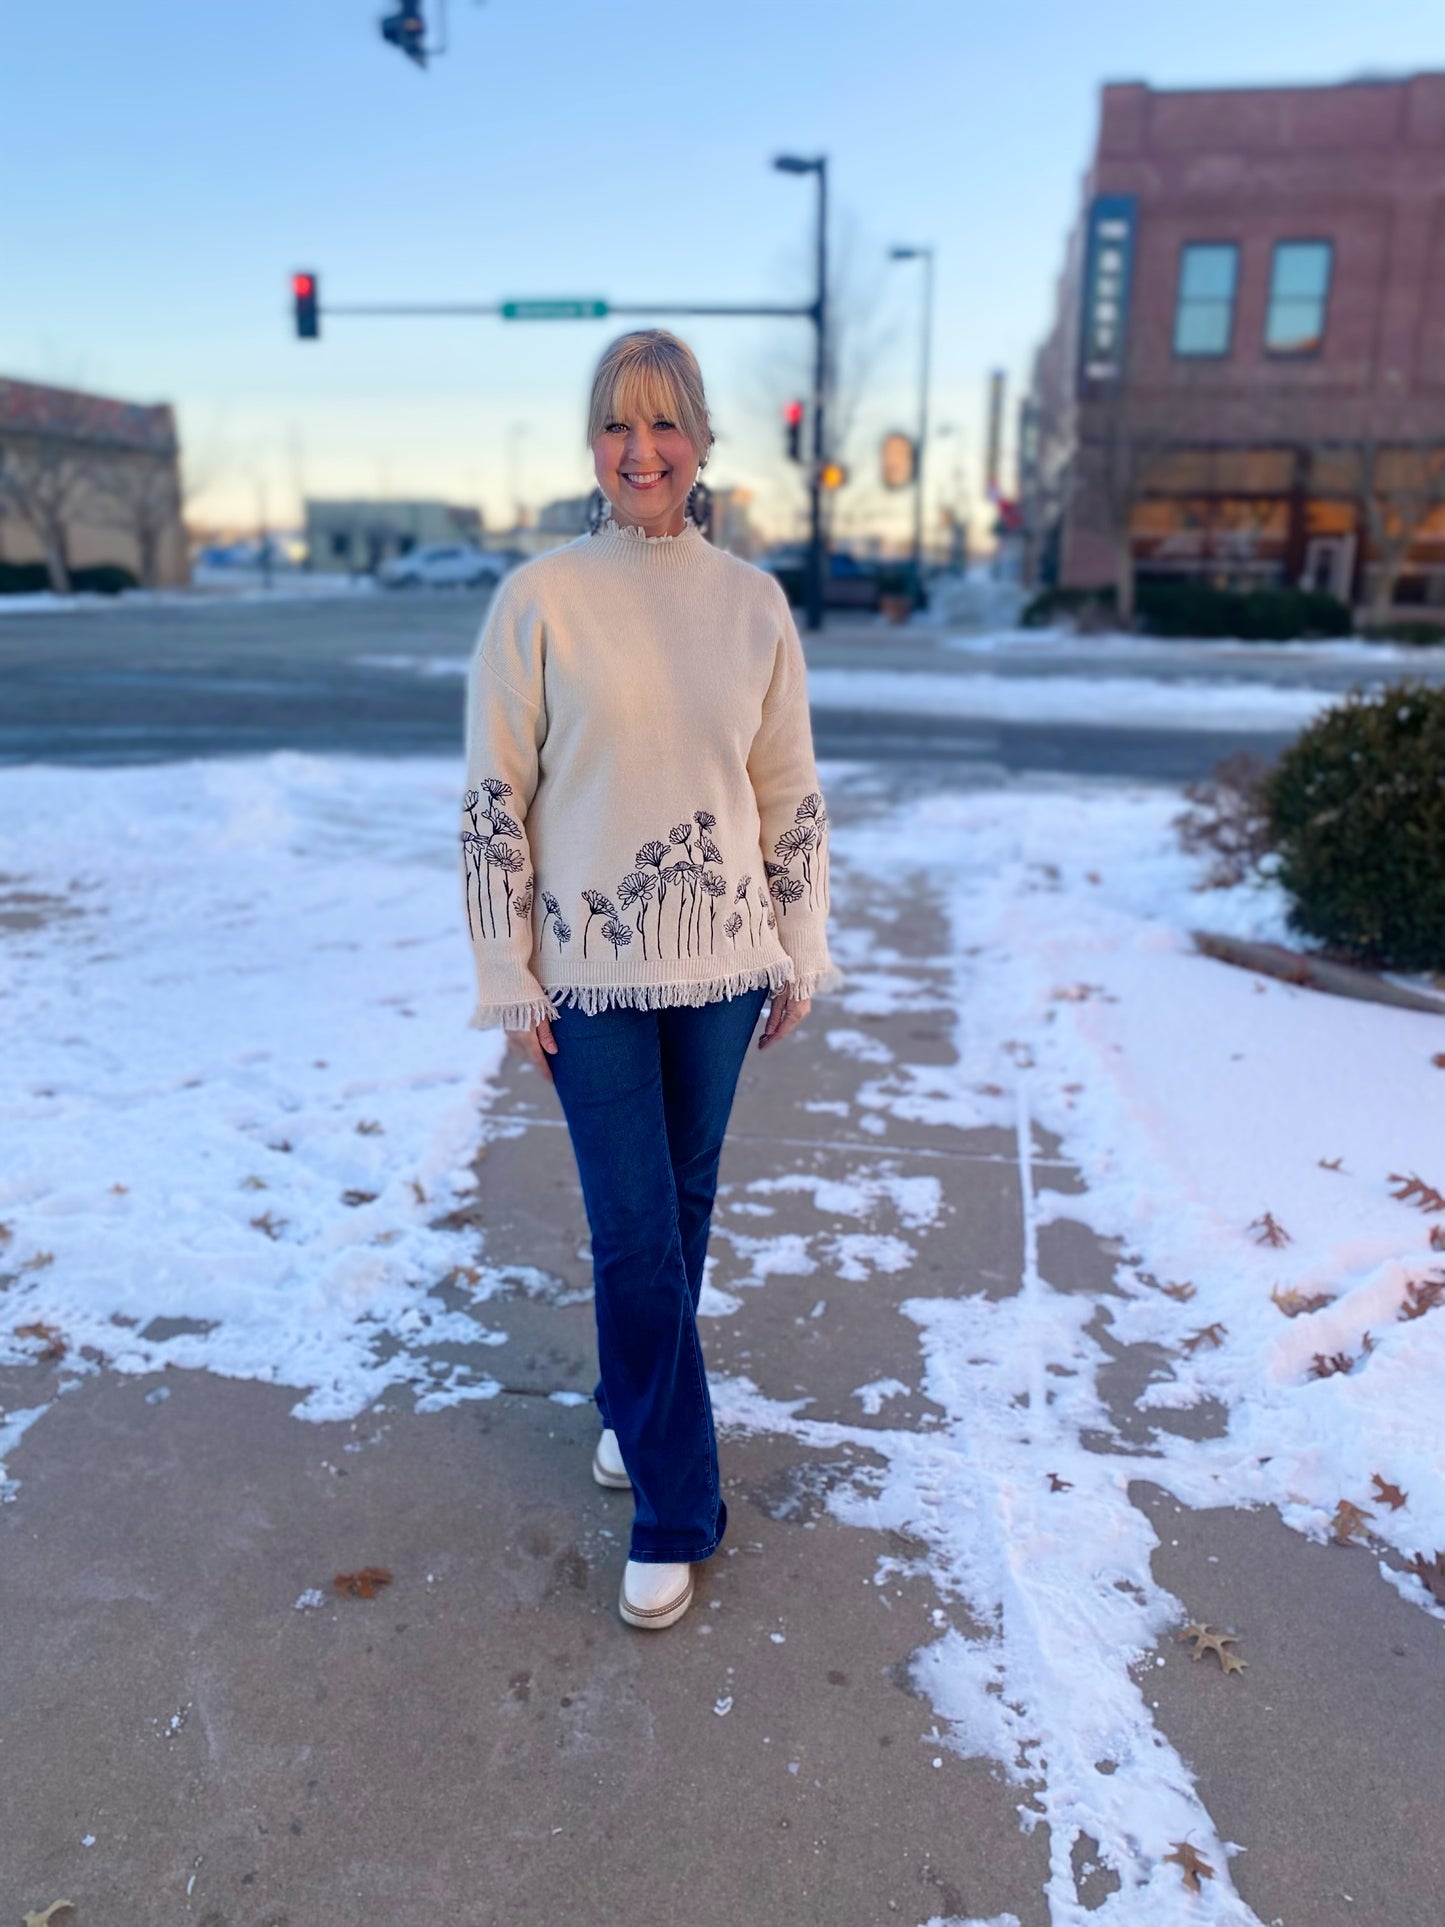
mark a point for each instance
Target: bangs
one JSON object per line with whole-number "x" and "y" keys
{"x": 648, "y": 392}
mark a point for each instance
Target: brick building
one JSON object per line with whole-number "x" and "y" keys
{"x": 88, "y": 482}
{"x": 1245, "y": 377}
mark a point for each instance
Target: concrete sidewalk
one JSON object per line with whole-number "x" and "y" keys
{"x": 484, "y": 1742}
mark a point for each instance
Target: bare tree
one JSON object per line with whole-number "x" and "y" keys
{"x": 141, "y": 495}
{"x": 47, "y": 482}
{"x": 1122, "y": 457}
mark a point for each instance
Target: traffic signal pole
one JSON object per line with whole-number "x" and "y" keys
{"x": 306, "y": 287}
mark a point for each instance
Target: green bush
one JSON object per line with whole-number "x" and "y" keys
{"x": 1423, "y": 635}
{"x": 1182, "y": 608}
{"x": 1356, "y": 810}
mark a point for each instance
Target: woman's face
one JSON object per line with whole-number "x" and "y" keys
{"x": 645, "y": 467}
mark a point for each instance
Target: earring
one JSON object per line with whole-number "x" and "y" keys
{"x": 699, "y": 505}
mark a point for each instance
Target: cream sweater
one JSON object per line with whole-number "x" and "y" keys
{"x": 642, "y": 822}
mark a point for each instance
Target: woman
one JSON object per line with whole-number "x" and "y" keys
{"x": 645, "y": 861}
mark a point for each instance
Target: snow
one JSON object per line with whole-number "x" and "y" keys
{"x": 1122, "y": 702}
{"x": 248, "y": 998}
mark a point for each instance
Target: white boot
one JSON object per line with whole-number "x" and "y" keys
{"x": 607, "y": 1466}
{"x": 652, "y": 1595}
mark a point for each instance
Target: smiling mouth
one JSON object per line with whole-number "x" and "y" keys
{"x": 644, "y": 478}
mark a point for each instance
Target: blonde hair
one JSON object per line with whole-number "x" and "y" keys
{"x": 654, "y": 373}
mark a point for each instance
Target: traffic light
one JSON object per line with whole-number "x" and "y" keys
{"x": 305, "y": 288}
{"x": 832, "y": 475}
{"x": 406, "y": 29}
{"x": 793, "y": 420}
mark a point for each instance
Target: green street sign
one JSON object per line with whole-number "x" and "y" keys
{"x": 552, "y": 310}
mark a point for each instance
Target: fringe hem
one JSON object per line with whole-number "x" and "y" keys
{"x": 510, "y": 1016}
{"x": 592, "y": 998}
{"x": 815, "y": 983}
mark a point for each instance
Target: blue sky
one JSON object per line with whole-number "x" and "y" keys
{"x": 169, "y": 164}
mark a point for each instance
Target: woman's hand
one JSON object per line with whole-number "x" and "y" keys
{"x": 536, "y": 1045}
{"x": 785, "y": 1013}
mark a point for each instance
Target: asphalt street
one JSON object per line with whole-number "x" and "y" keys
{"x": 331, "y": 674}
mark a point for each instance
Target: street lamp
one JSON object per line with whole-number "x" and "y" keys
{"x": 799, "y": 164}
{"x": 925, "y": 255}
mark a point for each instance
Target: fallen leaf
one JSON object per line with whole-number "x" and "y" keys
{"x": 417, "y": 1192}
{"x": 272, "y": 1227}
{"x": 1431, "y": 1574}
{"x": 1423, "y": 1295}
{"x": 7, "y": 1232}
{"x": 363, "y": 1584}
{"x": 1387, "y": 1494}
{"x": 1182, "y": 1293}
{"x": 1438, "y": 1060}
{"x": 1348, "y": 1520}
{"x": 1437, "y": 1237}
{"x": 1215, "y": 1333}
{"x": 47, "y": 1915}
{"x": 368, "y": 1127}
{"x": 281, "y": 1144}
{"x": 1322, "y": 1367}
{"x": 1330, "y": 1164}
{"x": 120, "y": 1189}
{"x": 1092, "y": 876}
{"x": 54, "y": 1346}
{"x": 1192, "y": 1863}
{"x": 1270, "y": 1233}
{"x": 1414, "y": 1190}
{"x": 39, "y": 1261}
{"x": 1206, "y": 1641}
{"x": 354, "y": 1198}
{"x": 1056, "y": 1484}
{"x": 254, "y": 1183}
{"x": 990, "y": 1090}
{"x": 1295, "y": 1303}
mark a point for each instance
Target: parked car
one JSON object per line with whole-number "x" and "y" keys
{"x": 850, "y": 584}
{"x": 443, "y": 565}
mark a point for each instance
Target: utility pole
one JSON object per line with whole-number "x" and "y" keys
{"x": 925, "y": 255}
{"x": 817, "y": 558}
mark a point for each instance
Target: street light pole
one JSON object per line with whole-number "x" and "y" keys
{"x": 817, "y": 560}
{"x": 925, "y": 255}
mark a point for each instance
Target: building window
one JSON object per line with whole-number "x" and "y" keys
{"x": 1299, "y": 288}
{"x": 1204, "y": 318}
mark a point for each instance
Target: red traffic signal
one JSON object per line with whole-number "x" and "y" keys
{"x": 793, "y": 421}
{"x": 308, "y": 324}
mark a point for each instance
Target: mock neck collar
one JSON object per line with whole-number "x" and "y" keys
{"x": 640, "y": 551}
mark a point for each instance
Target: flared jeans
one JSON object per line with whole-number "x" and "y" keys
{"x": 647, "y": 1095}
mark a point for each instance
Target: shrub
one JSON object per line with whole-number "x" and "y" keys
{"x": 29, "y": 578}
{"x": 1423, "y": 635}
{"x": 1184, "y": 608}
{"x": 1089, "y": 609}
{"x": 1356, "y": 811}
{"x": 1227, "y": 820}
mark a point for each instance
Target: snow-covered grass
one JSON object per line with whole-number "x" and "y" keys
{"x": 1121, "y": 702}
{"x": 210, "y": 588}
{"x": 245, "y": 1091}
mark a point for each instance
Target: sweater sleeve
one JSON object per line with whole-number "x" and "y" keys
{"x": 505, "y": 729}
{"x": 795, "y": 827}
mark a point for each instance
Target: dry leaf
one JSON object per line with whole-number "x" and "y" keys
{"x": 54, "y": 1346}
{"x": 281, "y": 1144}
{"x": 363, "y": 1584}
{"x": 1295, "y": 1303}
{"x": 368, "y": 1127}
{"x": 1423, "y": 1295}
{"x": 120, "y": 1190}
{"x": 1387, "y": 1494}
{"x": 39, "y": 1261}
{"x": 1438, "y": 1060}
{"x": 1215, "y": 1333}
{"x": 1270, "y": 1233}
{"x": 1431, "y": 1574}
{"x": 1322, "y": 1367}
{"x": 1330, "y": 1164}
{"x": 253, "y": 1183}
{"x": 417, "y": 1192}
{"x": 1437, "y": 1237}
{"x": 7, "y": 1232}
{"x": 1192, "y": 1863}
{"x": 990, "y": 1090}
{"x": 359, "y": 1197}
{"x": 1414, "y": 1190}
{"x": 1056, "y": 1484}
{"x": 47, "y": 1915}
{"x": 1348, "y": 1520}
{"x": 1182, "y": 1293}
{"x": 272, "y": 1227}
{"x": 1217, "y": 1643}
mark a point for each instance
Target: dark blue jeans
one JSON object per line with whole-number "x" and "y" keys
{"x": 646, "y": 1095}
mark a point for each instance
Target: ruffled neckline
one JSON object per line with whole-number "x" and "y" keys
{"x": 633, "y": 545}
